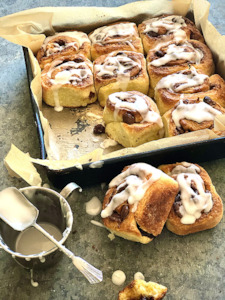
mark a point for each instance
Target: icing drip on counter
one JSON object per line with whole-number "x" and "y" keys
{"x": 93, "y": 207}
{"x": 176, "y": 52}
{"x": 118, "y": 277}
{"x": 173, "y": 25}
{"x": 113, "y": 33}
{"x": 131, "y": 186}
{"x": 179, "y": 81}
{"x": 79, "y": 39}
{"x": 194, "y": 198}
{"x": 116, "y": 65}
{"x": 134, "y": 103}
{"x": 139, "y": 275}
{"x": 198, "y": 112}
{"x": 33, "y": 283}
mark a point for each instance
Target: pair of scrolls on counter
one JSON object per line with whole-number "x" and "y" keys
{"x": 142, "y": 199}
{"x": 177, "y": 73}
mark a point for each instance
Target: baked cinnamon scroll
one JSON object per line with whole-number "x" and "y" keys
{"x": 197, "y": 205}
{"x": 118, "y": 36}
{"x": 188, "y": 84}
{"x": 120, "y": 71}
{"x": 68, "y": 82}
{"x": 132, "y": 119}
{"x": 141, "y": 290}
{"x": 176, "y": 57}
{"x": 191, "y": 115}
{"x": 63, "y": 44}
{"x": 166, "y": 29}
{"x": 138, "y": 201}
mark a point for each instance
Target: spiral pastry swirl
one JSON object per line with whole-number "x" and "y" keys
{"x": 197, "y": 206}
{"x": 188, "y": 84}
{"x": 191, "y": 115}
{"x": 166, "y": 29}
{"x": 68, "y": 82}
{"x": 129, "y": 202}
{"x": 173, "y": 58}
{"x": 63, "y": 44}
{"x": 118, "y": 36}
{"x": 120, "y": 71}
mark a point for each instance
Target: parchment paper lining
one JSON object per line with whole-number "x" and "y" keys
{"x": 68, "y": 135}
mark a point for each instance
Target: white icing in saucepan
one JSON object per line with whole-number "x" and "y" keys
{"x": 197, "y": 112}
{"x": 138, "y": 104}
{"x": 134, "y": 182}
{"x": 193, "y": 201}
{"x": 118, "y": 277}
{"x": 109, "y": 34}
{"x": 176, "y": 52}
{"x": 179, "y": 81}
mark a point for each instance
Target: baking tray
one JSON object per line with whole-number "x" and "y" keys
{"x": 195, "y": 152}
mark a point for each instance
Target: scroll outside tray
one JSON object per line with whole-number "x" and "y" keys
{"x": 197, "y": 152}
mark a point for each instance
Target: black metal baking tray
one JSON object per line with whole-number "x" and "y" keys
{"x": 196, "y": 152}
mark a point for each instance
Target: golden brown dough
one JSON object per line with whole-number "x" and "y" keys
{"x": 138, "y": 202}
{"x": 167, "y": 28}
{"x": 114, "y": 37}
{"x": 68, "y": 82}
{"x": 191, "y": 115}
{"x": 142, "y": 290}
{"x": 190, "y": 85}
{"x": 132, "y": 119}
{"x": 63, "y": 44}
{"x": 172, "y": 58}
{"x": 197, "y": 206}
{"x": 120, "y": 71}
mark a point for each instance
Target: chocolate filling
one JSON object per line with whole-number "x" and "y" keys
{"x": 61, "y": 43}
{"x": 120, "y": 217}
{"x": 128, "y": 118}
{"x": 78, "y": 60}
{"x": 208, "y": 100}
{"x": 152, "y": 34}
{"x": 91, "y": 95}
{"x": 98, "y": 129}
{"x": 144, "y": 233}
{"x": 146, "y": 298}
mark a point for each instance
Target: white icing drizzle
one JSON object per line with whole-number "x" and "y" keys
{"x": 135, "y": 180}
{"x": 108, "y": 143}
{"x": 198, "y": 112}
{"x": 118, "y": 277}
{"x": 173, "y": 24}
{"x": 79, "y": 39}
{"x": 137, "y": 103}
{"x": 33, "y": 283}
{"x": 93, "y": 207}
{"x": 116, "y": 65}
{"x": 139, "y": 275}
{"x": 176, "y": 52}
{"x": 179, "y": 81}
{"x": 96, "y": 223}
{"x": 113, "y": 33}
{"x": 192, "y": 203}
{"x": 96, "y": 164}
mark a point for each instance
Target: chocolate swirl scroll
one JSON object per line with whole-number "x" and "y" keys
{"x": 188, "y": 84}
{"x": 173, "y": 58}
{"x": 166, "y": 29}
{"x": 132, "y": 119}
{"x": 63, "y": 44}
{"x": 138, "y": 202}
{"x": 118, "y": 36}
{"x": 120, "y": 71}
{"x": 197, "y": 205}
{"x": 191, "y": 115}
{"x": 68, "y": 82}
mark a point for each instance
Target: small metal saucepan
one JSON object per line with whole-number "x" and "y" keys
{"x": 53, "y": 209}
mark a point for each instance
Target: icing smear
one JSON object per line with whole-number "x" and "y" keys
{"x": 194, "y": 198}
{"x": 131, "y": 186}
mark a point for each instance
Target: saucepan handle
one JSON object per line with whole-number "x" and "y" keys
{"x": 69, "y": 188}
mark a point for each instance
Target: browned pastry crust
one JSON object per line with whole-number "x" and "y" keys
{"x": 127, "y": 121}
{"x": 129, "y": 74}
{"x": 63, "y": 44}
{"x": 187, "y": 125}
{"x": 151, "y": 39}
{"x": 212, "y": 87}
{"x": 151, "y": 214}
{"x": 76, "y": 90}
{"x": 109, "y": 38}
{"x": 207, "y": 220}
{"x": 206, "y": 65}
{"x": 141, "y": 290}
